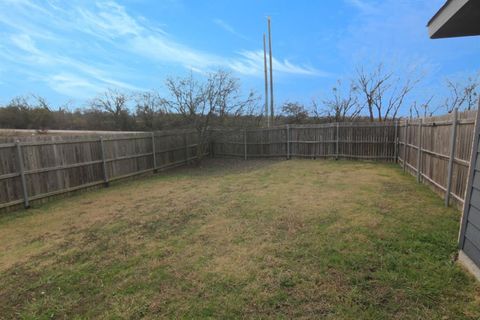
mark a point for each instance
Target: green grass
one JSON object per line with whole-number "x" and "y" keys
{"x": 261, "y": 239}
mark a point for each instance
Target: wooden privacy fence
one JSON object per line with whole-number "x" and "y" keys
{"x": 440, "y": 145}
{"x": 32, "y": 170}
{"x": 374, "y": 141}
{"x": 437, "y": 151}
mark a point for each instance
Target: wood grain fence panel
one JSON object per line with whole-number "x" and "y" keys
{"x": 355, "y": 141}
{"x": 51, "y": 167}
{"x": 125, "y": 157}
{"x": 436, "y": 152}
{"x": 10, "y": 183}
{"x": 54, "y": 165}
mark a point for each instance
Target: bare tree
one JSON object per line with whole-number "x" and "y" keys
{"x": 203, "y": 102}
{"x": 370, "y": 84}
{"x": 148, "y": 109}
{"x": 115, "y": 103}
{"x": 30, "y": 111}
{"x": 423, "y": 109}
{"x": 463, "y": 94}
{"x": 389, "y": 105}
{"x": 317, "y": 111}
{"x": 295, "y": 112}
{"x": 344, "y": 105}
{"x": 383, "y": 92}
{"x": 42, "y": 114}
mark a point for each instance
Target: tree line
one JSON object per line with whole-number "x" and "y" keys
{"x": 378, "y": 94}
{"x": 191, "y": 102}
{"x": 217, "y": 99}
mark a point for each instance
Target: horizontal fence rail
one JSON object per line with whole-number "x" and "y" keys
{"x": 42, "y": 167}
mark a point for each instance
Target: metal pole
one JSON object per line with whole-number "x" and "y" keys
{"x": 336, "y": 145}
{"x": 405, "y": 146}
{"x": 453, "y": 138}
{"x": 21, "y": 169}
{"x": 104, "y": 163}
{"x": 266, "y": 80}
{"x": 245, "y": 143}
{"x": 272, "y": 114}
{"x": 419, "y": 151}
{"x": 154, "y": 153}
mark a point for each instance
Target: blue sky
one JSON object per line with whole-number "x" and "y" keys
{"x": 72, "y": 50}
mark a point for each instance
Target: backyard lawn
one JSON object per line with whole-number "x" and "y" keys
{"x": 236, "y": 239}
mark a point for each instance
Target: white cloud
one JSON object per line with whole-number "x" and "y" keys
{"x": 151, "y": 42}
{"x": 24, "y": 42}
{"x": 62, "y": 82}
{"x": 364, "y": 6}
{"x": 227, "y": 27}
{"x": 28, "y": 47}
{"x": 80, "y": 47}
{"x": 73, "y": 85}
{"x": 109, "y": 20}
{"x": 252, "y": 63}
{"x": 161, "y": 49}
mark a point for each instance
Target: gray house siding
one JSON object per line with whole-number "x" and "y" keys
{"x": 469, "y": 241}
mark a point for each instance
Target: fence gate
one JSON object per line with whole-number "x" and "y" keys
{"x": 469, "y": 241}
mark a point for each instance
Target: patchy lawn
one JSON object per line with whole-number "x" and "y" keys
{"x": 340, "y": 240}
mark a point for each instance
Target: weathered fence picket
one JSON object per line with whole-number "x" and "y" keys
{"x": 336, "y": 141}
{"x": 245, "y": 145}
{"x": 395, "y": 154}
{"x": 404, "y": 163}
{"x": 104, "y": 162}
{"x": 453, "y": 141}
{"x": 22, "y": 175}
{"x": 419, "y": 151}
{"x": 288, "y": 141}
{"x": 154, "y": 153}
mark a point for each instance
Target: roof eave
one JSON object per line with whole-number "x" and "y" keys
{"x": 456, "y": 18}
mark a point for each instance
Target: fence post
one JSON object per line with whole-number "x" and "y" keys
{"x": 104, "y": 163}
{"x": 405, "y": 146}
{"x": 154, "y": 153}
{"x": 453, "y": 138}
{"x": 185, "y": 142}
{"x": 395, "y": 151}
{"x": 211, "y": 146}
{"x": 245, "y": 143}
{"x": 288, "y": 142}
{"x": 336, "y": 144}
{"x": 419, "y": 151}
{"x": 21, "y": 169}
